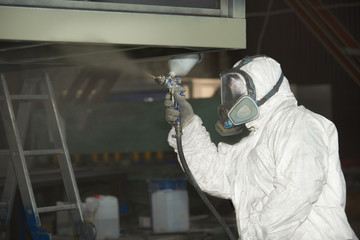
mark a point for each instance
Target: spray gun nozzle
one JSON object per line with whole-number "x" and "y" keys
{"x": 161, "y": 80}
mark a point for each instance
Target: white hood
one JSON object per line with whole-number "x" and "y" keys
{"x": 265, "y": 72}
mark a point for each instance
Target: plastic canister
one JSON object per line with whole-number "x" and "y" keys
{"x": 103, "y": 212}
{"x": 169, "y": 205}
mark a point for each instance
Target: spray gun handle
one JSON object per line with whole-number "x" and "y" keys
{"x": 173, "y": 84}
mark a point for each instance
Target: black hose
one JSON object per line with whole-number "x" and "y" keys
{"x": 192, "y": 180}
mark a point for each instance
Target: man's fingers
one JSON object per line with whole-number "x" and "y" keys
{"x": 171, "y": 115}
{"x": 168, "y": 103}
{"x": 180, "y": 99}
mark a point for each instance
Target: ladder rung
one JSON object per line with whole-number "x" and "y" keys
{"x": 35, "y": 152}
{"x": 25, "y": 97}
{"x": 43, "y": 152}
{"x": 57, "y": 208}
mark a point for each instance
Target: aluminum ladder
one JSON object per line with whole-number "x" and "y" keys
{"x": 15, "y": 128}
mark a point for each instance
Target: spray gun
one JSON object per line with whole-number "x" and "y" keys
{"x": 172, "y": 84}
{"x": 181, "y": 66}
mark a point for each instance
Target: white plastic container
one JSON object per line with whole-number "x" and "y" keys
{"x": 103, "y": 212}
{"x": 169, "y": 205}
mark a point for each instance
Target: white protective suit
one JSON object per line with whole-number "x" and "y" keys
{"x": 285, "y": 178}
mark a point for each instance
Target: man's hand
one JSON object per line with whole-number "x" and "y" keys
{"x": 185, "y": 111}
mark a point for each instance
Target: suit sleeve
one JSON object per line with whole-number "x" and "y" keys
{"x": 208, "y": 164}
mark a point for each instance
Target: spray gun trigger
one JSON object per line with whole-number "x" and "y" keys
{"x": 172, "y": 96}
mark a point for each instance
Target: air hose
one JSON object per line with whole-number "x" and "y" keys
{"x": 191, "y": 179}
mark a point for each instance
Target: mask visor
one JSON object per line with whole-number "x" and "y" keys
{"x": 233, "y": 86}
{"x": 245, "y": 110}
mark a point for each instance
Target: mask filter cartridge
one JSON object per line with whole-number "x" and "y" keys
{"x": 243, "y": 111}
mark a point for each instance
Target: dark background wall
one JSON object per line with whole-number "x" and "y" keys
{"x": 305, "y": 60}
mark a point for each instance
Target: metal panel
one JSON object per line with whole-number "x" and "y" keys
{"x": 61, "y": 25}
{"x": 236, "y": 9}
{"x": 216, "y": 8}
{"x": 111, "y": 6}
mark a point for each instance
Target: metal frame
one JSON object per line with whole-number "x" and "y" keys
{"x": 55, "y": 21}
{"x": 23, "y": 116}
{"x": 227, "y": 8}
{"x": 18, "y": 157}
{"x": 14, "y": 127}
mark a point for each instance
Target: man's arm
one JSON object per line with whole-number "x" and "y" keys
{"x": 208, "y": 165}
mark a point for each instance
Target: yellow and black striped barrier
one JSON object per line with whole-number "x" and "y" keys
{"x": 135, "y": 158}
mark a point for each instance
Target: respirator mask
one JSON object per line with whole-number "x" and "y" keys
{"x": 238, "y": 99}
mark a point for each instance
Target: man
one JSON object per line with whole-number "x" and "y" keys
{"x": 284, "y": 178}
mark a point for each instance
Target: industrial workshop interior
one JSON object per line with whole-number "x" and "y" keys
{"x": 83, "y": 136}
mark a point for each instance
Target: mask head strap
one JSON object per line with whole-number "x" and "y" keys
{"x": 247, "y": 59}
{"x": 274, "y": 90}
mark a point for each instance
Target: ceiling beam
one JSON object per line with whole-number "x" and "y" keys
{"x": 331, "y": 34}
